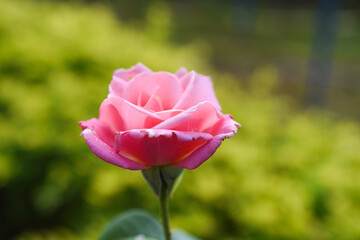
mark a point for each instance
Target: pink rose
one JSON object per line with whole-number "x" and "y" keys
{"x": 158, "y": 118}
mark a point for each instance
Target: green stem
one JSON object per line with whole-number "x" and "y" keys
{"x": 164, "y": 210}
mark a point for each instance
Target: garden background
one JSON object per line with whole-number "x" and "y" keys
{"x": 288, "y": 72}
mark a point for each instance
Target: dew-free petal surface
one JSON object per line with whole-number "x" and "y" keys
{"x": 164, "y": 87}
{"x": 199, "y": 88}
{"x": 122, "y": 115}
{"x": 198, "y": 118}
{"x": 122, "y": 76}
{"x": 108, "y": 153}
{"x": 101, "y": 130}
{"x": 154, "y": 147}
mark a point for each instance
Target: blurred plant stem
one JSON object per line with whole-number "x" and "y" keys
{"x": 164, "y": 209}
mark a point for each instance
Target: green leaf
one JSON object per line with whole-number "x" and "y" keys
{"x": 131, "y": 225}
{"x": 139, "y": 237}
{"x": 181, "y": 235}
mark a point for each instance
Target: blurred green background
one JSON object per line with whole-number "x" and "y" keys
{"x": 288, "y": 72}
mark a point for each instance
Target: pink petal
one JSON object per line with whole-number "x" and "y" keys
{"x": 116, "y": 87}
{"x": 199, "y": 118}
{"x": 107, "y": 153}
{"x": 109, "y": 115}
{"x": 226, "y": 128}
{"x": 153, "y": 102}
{"x": 155, "y": 147}
{"x": 199, "y": 88}
{"x": 200, "y": 155}
{"x": 127, "y": 74}
{"x": 169, "y": 113}
{"x": 122, "y": 76}
{"x": 166, "y": 87}
{"x": 122, "y": 115}
{"x": 101, "y": 130}
{"x": 181, "y": 72}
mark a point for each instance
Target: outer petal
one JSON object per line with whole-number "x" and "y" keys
{"x": 107, "y": 153}
{"x": 101, "y": 130}
{"x": 200, "y": 155}
{"x": 154, "y": 147}
{"x": 226, "y": 126}
{"x": 195, "y": 159}
{"x": 199, "y": 88}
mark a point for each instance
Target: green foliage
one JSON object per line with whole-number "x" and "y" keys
{"x": 181, "y": 235}
{"x": 138, "y": 225}
{"x": 288, "y": 174}
{"x": 131, "y": 224}
{"x": 55, "y": 64}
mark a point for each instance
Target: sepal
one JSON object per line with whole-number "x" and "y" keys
{"x": 159, "y": 175}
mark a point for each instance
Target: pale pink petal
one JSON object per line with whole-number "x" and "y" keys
{"x": 169, "y": 113}
{"x": 122, "y": 115}
{"x": 109, "y": 115}
{"x": 116, "y": 87}
{"x": 153, "y": 103}
{"x": 128, "y": 74}
{"x": 107, "y": 153}
{"x": 155, "y": 147}
{"x": 101, "y": 130}
{"x": 122, "y": 76}
{"x": 226, "y": 125}
{"x": 166, "y": 86}
{"x": 181, "y": 72}
{"x": 199, "y": 118}
{"x": 186, "y": 78}
{"x": 199, "y": 88}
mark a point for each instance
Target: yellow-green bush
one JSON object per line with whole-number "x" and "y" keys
{"x": 288, "y": 174}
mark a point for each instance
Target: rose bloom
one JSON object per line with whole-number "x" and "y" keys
{"x": 158, "y": 118}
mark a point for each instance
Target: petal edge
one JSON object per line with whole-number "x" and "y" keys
{"x": 107, "y": 153}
